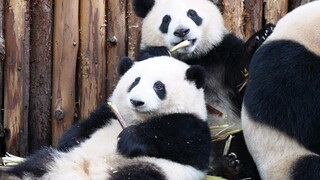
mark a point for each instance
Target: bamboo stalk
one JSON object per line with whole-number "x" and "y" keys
{"x": 65, "y": 48}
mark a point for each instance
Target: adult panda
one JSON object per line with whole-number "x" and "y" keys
{"x": 167, "y": 137}
{"x": 224, "y": 56}
{"x": 281, "y": 108}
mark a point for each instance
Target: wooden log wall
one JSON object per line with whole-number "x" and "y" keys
{"x": 58, "y": 59}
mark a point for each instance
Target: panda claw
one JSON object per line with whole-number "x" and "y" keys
{"x": 231, "y": 162}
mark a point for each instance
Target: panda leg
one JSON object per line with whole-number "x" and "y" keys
{"x": 137, "y": 172}
{"x": 307, "y": 167}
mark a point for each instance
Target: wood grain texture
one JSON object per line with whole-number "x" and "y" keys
{"x": 2, "y": 56}
{"x": 65, "y": 49}
{"x": 93, "y": 56}
{"x": 116, "y": 40}
{"x": 275, "y": 9}
{"x": 40, "y": 74}
{"x": 133, "y": 31}
{"x": 16, "y": 76}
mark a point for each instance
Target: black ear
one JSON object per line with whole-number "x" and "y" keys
{"x": 124, "y": 65}
{"x": 197, "y": 74}
{"x": 142, "y": 7}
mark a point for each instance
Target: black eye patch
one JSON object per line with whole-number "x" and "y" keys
{"x": 192, "y": 14}
{"x": 165, "y": 24}
{"x": 135, "y": 82}
{"x": 160, "y": 89}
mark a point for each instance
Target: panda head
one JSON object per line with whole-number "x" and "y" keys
{"x": 157, "y": 86}
{"x": 167, "y": 23}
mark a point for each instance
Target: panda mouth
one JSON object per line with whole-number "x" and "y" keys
{"x": 192, "y": 42}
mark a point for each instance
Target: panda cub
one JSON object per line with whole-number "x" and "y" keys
{"x": 167, "y": 136}
{"x": 281, "y": 108}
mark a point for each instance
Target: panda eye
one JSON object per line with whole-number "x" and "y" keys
{"x": 160, "y": 89}
{"x": 166, "y": 19}
{"x": 135, "y": 82}
{"x": 158, "y": 86}
{"x": 192, "y": 13}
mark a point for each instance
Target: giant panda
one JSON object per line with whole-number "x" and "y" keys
{"x": 167, "y": 135}
{"x": 281, "y": 108}
{"x": 225, "y": 58}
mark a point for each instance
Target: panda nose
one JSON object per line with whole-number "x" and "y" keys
{"x": 181, "y": 32}
{"x": 136, "y": 103}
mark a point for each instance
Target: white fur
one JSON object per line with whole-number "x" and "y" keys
{"x": 182, "y": 96}
{"x": 97, "y": 157}
{"x": 300, "y": 25}
{"x": 273, "y": 152}
{"x": 88, "y": 161}
{"x": 208, "y": 34}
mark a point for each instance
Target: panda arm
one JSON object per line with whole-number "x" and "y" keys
{"x": 182, "y": 138}
{"x": 79, "y": 132}
{"x": 255, "y": 41}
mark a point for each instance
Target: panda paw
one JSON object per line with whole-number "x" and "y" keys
{"x": 255, "y": 41}
{"x": 231, "y": 164}
{"x": 132, "y": 143}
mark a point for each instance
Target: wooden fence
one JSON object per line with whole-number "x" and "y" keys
{"x": 58, "y": 59}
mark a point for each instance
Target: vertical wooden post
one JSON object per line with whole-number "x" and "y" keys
{"x": 275, "y": 9}
{"x": 93, "y": 60}
{"x": 133, "y": 31}
{"x": 65, "y": 48}
{"x": 252, "y": 17}
{"x": 16, "y": 76}
{"x": 116, "y": 39}
{"x": 2, "y": 55}
{"x": 40, "y": 74}
{"x": 233, "y": 11}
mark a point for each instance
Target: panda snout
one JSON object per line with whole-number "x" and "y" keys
{"x": 181, "y": 32}
{"x": 136, "y": 103}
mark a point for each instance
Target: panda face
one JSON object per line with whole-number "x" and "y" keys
{"x": 158, "y": 86}
{"x": 199, "y": 22}
{"x": 151, "y": 98}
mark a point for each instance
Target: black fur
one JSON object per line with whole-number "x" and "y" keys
{"x": 134, "y": 83}
{"x": 238, "y": 163}
{"x": 124, "y": 65}
{"x": 146, "y": 171}
{"x": 182, "y": 138}
{"x": 307, "y": 168}
{"x": 150, "y": 52}
{"x": 283, "y": 91}
{"x": 234, "y": 55}
{"x": 35, "y": 164}
{"x": 197, "y": 74}
{"x": 142, "y": 7}
{"x": 164, "y": 26}
{"x": 192, "y": 14}
{"x": 160, "y": 90}
{"x": 255, "y": 41}
{"x": 84, "y": 129}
